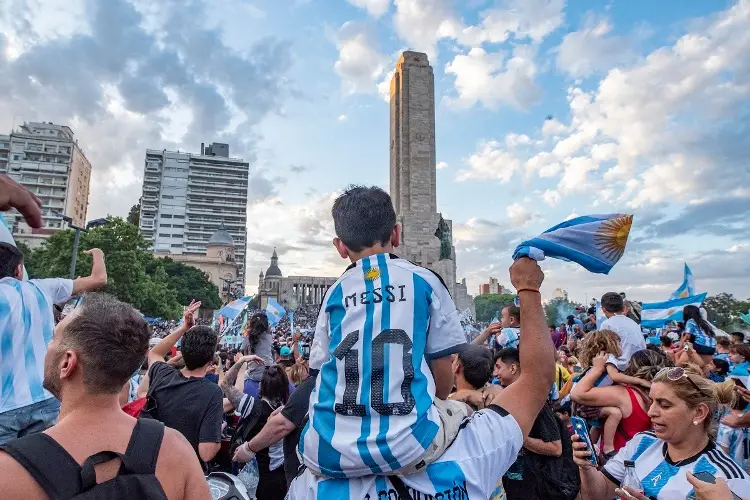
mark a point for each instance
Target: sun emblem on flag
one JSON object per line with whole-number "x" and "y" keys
{"x": 372, "y": 274}
{"x": 612, "y": 236}
{"x": 276, "y": 313}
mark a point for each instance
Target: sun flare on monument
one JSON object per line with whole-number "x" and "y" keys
{"x": 612, "y": 237}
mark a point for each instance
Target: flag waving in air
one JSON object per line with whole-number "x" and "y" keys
{"x": 274, "y": 312}
{"x": 596, "y": 242}
{"x": 657, "y": 314}
{"x": 687, "y": 289}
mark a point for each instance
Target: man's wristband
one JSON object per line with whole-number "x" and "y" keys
{"x": 526, "y": 290}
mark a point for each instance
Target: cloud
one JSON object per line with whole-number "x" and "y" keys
{"x": 343, "y": 118}
{"x": 375, "y": 8}
{"x": 441, "y": 165}
{"x": 519, "y": 215}
{"x": 725, "y": 216}
{"x": 490, "y": 161}
{"x": 360, "y": 63}
{"x": 593, "y": 49}
{"x": 421, "y": 23}
{"x": 299, "y": 169}
{"x": 384, "y": 86}
{"x": 487, "y": 78}
{"x": 261, "y": 188}
{"x": 120, "y": 76}
{"x": 551, "y": 197}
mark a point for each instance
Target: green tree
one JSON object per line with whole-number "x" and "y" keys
{"x": 557, "y": 310}
{"x": 724, "y": 310}
{"x": 28, "y": 257}
{"x": 189, "y": 282}
{"x": 487, "y": 306}
{"x": 134, "y": 216}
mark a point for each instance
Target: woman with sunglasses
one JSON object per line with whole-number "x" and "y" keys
{"x": 683, "y": 409}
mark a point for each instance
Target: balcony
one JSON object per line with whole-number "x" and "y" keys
{"x": 37, "y": 148}
{"x": 149, "y": 178}
{"x": 152, "y": 189}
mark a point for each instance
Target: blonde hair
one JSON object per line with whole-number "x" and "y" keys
{"x": 703, "y": 392}
{"x": 596, "y": 342}
{"x": 297, "y": 373}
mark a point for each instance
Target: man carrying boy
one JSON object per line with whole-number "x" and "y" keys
{"x": 383, "y": 344}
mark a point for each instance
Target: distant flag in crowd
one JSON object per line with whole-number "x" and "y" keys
{"x": 274, "y": 312}
{"x": 291, "y": 321}
{"x": 687, "y": 289}
{"x": 234, "y": 308}
{"x": 596, "y": 242}
{"x": 600, "y": 316}
{"x": 657, "y": 314}
{"x": 745, "y": 317}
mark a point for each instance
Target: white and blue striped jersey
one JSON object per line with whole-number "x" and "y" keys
{"x": 664, "y": 479}
{"x": 701, "y": 337}
{"x": 737, "y": 442}
{"x": 486, "y": 446}
{"x": 508, "y": 337}
{"x": 379, "y": 326}
{"x": 26, "y": 327}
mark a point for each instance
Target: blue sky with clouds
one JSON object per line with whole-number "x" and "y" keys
{"x": 648, "y": 104}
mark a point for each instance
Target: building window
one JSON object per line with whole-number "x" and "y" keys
{"x": 165, "y": 225}
{"x": 176, "y": 245}
{"x": 164, "y": 235}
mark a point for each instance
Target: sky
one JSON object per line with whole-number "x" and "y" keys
{"x": 546, "y": 109}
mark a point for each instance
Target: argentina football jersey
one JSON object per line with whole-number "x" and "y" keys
{"x": 664, "y": 479}
{"x": 379, "y": 326}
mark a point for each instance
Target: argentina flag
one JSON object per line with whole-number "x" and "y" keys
{"x": 687, "y": 289}
{"x": 596, "y": 242}
{"x": 231, "y": 310}
{"x": 274, "y": 312}
{"x": 657, "y": 314}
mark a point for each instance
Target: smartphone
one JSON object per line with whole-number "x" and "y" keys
{"x": 579, "y": 426}
{"x": 707, "y": 477}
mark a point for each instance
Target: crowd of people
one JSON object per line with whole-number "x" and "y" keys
{"x": 387, "y": 401}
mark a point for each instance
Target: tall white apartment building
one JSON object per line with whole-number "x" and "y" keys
{"x": 47, "y": 159}
{"x": 187, "y": 197}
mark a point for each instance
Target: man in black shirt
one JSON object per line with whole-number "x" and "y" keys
{"x": 286, "y": 425}
{"x": 183, "y": 399}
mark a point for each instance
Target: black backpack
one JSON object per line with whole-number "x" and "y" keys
{"x": 246, "y": 424}
{"x": 553, "y": 477}
{"x": 62, "y": 478}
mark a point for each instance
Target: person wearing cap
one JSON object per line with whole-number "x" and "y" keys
{"x": 285, "y": 359}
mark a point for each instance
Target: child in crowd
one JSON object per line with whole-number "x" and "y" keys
{"x": 737, "y": 337}
{"x": 722, "y": 348}
{"x": 717, "y": 370}
{"x": 379, "y": 303}
{"x": 608, "y": 342}
{"x": 739, "y": 356}
{"x": 735, "y": 441}
{"x": 563, "y": 412}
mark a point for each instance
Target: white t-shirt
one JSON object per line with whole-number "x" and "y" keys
{"x": 631, "y": 338}
{"x": 662, "y": 479}
{"x": 379, "y": 326}
{"x": 26, "y": 327}
{"x": 469, "y": 469}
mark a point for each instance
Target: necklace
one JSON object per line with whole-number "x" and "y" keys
{"x": 682, "y": 462}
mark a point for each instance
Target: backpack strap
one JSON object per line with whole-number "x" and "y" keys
{"x": 56, "y": 472}
{"x": 143, "y": 448}
{"x": 88, "y": 472}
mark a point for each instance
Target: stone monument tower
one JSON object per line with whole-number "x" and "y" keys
{"x": 427, "y": 237}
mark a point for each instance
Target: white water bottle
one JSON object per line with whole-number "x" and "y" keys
{"x": 250, "y": 476}
{"x": 631, "y": 479}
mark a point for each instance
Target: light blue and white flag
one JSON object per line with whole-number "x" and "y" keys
{"x": 596, "y": 242}
{"x": 234, "y": 308}
{"x": 274, "y": 312}
{"x": 687, "y": 289}
{"x": 291, "y": 321}
{"x": 657, "y": 314}
{"x": 600, "y": 316}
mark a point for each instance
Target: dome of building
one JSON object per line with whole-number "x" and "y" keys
{"x": 273, "y": 269}
{"x": 221, "y": 237}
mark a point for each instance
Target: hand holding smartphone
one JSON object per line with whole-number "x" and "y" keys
{"x": 579, "y": 426}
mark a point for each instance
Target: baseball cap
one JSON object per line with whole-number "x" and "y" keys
{"x": 285, "y": 351}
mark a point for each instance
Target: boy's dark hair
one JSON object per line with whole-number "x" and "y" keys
{"x": 665, "y": 341}
{"x": 111, "y": 339}
{"x": 509, "y": 356}
{"x": 198, "y": 346}
{"x": 477, "y": 364}
{"x": 363, "y": 217}
{"x": 721, "y": 365}
{"x": 740, "y": 335}
{"x": 724, "y": 342}
{"x": 274, "y": 386}
{"x": 10, "y": 258}
{"x": 565, "y": 407}
{"x": 613, "y": 302}
{"x": 741, "y": 349}
{"x": 514, "y": 312}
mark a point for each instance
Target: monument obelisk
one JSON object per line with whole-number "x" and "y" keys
{"x": 427, "y": 237}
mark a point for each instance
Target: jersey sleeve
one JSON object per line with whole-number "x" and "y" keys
{"x": 445, "y": 335}
{"x": 57, "y": 289}
{"x": 614, "y": 469}
{"x": 319, "y": 349}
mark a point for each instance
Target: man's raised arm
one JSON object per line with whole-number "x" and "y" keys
{"x": 524, "y": 398}
{"x": 160, "y": 350}
{"x": 98, "y": 277}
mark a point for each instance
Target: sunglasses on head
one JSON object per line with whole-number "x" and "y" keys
{"x": 676, "y": 373}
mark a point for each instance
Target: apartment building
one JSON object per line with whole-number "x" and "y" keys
{"x": 47, "y": 159}
{"x": 188, "y": 196}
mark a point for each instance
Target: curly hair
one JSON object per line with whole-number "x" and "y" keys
{"x": 596, "y": 342}
{"x": 646, "y": 363}
{"x": 257, "y": 326}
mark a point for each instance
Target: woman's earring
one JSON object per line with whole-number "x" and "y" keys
{"x": 695, "y": 422}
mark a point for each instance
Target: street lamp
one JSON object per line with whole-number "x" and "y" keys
{"x": 91, "y": 224}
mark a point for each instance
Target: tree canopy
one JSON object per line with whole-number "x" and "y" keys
{"x": 155, "y": 287}
{"x": 134, "y": 216}
{"x": 487, "y": 306}
{"x": 724, "y": 310}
